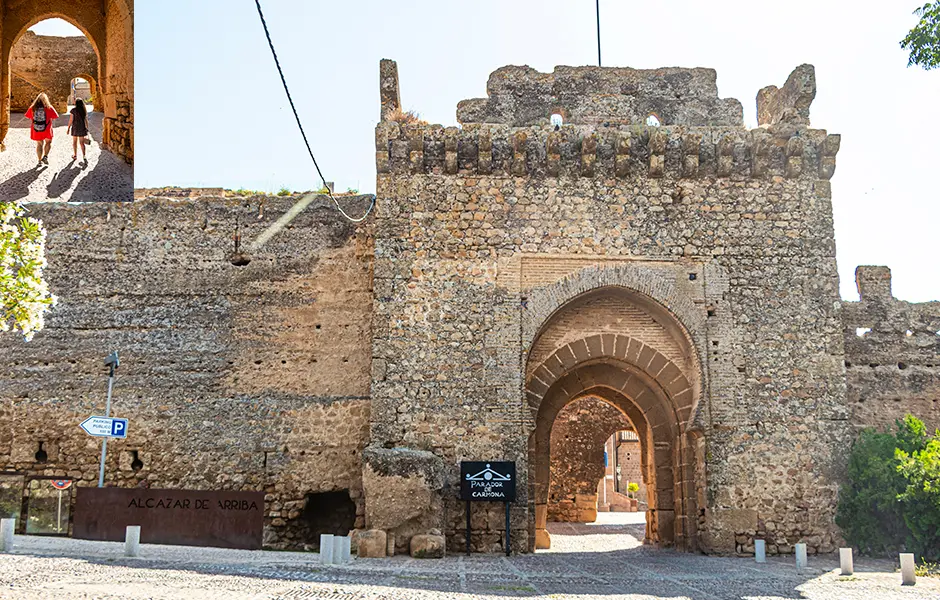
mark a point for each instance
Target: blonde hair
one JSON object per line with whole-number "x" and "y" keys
{"x": 42, "y": 97}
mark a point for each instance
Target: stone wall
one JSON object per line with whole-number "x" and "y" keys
{"x": 577, "y": 448}
{"x": 49, "y": 63}
{"x": 233, "y": 377}
{"x": 631, "y": 471}
{"x": 892, "y": 354}
{"x": 483, "y": 233}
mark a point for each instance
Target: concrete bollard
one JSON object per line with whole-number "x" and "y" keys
{"x": 760, "y": 551}
{"x": 845, "y": 561}
{"x": 908, "y": 577}
{"x": 342, "y": 549}
{"x": 132, "y": 541}
{"x": 800, "y": 555}
{"x": 6, "y": 534}
{"x": 326, "y": 548}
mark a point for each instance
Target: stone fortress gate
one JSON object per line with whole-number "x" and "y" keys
{"x": 681, "y": 275}
{"x": 30, "y": 63}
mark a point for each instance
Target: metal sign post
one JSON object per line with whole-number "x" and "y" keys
{"x": 488, "y": 481}
{"x": 112, "y": 363}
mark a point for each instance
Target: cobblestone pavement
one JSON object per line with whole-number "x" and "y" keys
{"x": 603, "y": 560}
{"x": 106, "y": 177}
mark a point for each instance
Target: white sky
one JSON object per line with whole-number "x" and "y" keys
{"x": 210, "y": 109}
{"x": 57, "y": 27}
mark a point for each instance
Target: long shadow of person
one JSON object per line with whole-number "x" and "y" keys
{"x": 62, "y": 181}
{"x": 17, "y": 187}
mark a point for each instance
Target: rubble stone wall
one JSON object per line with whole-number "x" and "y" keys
{"x": 242, "y": 378}
{"x": 42, "y": 63}
{"x": 892, "y": 354}
{"x": 577, "y": 457}
{"x": 745, "y": 216}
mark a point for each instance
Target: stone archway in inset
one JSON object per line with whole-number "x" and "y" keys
{"x": 108, "y": 26}
{"x": 625, "y": 348}
{"x": 89, "y": 93}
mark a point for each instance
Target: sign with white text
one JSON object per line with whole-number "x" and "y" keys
{"x": 491, "y": 481}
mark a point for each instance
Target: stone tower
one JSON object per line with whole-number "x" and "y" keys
{"x": 680, "y": 268}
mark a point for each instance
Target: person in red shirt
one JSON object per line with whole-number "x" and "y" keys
{"x": 43, "y": 117}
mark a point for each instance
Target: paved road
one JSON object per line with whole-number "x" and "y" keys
{"x": 588, "y": 561}
{"x": 106, "y": 178}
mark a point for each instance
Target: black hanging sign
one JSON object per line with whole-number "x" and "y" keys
{"x": 491, "y": 481}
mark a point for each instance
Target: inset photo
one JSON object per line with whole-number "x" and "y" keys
{"x": 67, "y": 100}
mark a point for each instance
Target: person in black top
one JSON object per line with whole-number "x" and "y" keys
{"x": 78, "y": 127}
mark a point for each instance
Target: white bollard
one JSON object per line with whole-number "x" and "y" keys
{"x": 132, "y": 541}
{"x": 326, "y": 548}
{"x": 760, "y": 551}
{"x": 341, "y": 549}
{"x": 845, "y": 561}
{"x": 347, "y": 548}
{"x": 6, "y": 534}
{"x": 800, "y": 556}
{"x": 907, "y": 570}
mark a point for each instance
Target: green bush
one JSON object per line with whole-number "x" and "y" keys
{"x": 892, "y": 499}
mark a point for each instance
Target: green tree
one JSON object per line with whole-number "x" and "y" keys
{"x": 921, "y": 498}
{"x": 24, "y": 294}
{"x": 923, "y": 41}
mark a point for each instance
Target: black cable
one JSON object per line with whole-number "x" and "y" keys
{"x": 297, "y": 117}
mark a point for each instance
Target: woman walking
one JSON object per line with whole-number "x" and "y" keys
{"x": 78, "y": 127}
{"x": 43, "y": 117}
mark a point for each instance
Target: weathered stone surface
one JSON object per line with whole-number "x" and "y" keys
{"x": 248, "y": 378}
{"x": 892, "y": 354}
{"x": 427, "y": 546}
{"x": 789, "y": 104}
{"x": 403, "y": 487}
{"x": 109, "y": 27}
{"x": 521, "y": 96}
{"x": 371, "y": 544}
{"x": 41, "y": 63}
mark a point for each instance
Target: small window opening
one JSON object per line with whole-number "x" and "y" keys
{"x": 861, "y": 331}
{"x": 41, "y": 455}
{"x": 652, "y": 120}
{"x": 327, "y": 512}
{"x": 711, "y": 312}
{"x": 908, "y": 333}
{"x": 136, "y": 464}
{"x": 557, "y": 121}
{"x": 693, "y": 276}
{"x": 902, "y": 366}
{"x": 847, "y": 364}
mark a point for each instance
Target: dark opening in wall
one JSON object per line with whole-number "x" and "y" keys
{"x": 41, "y": 455}
{"x": 327, "y": 512}
{"x": 136, "y": 463}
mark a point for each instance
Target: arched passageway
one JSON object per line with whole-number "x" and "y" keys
{"x": 624, "y": 348}
{"x": 108, "y": 27}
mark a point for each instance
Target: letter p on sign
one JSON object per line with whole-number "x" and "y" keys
{"x": 119, "y": 428}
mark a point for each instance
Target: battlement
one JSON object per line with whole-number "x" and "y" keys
{"x": 604, "y": 111}
{"x": 520, "y": 96}
{"x": 605, "y": 151}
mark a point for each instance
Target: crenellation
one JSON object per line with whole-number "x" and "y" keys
{"x": 605, "y": 151}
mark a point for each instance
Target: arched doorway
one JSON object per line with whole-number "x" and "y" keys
{"x": 621, "y": 346}
{"x": 83, "y": 86}
{"x": 108, "y": 27}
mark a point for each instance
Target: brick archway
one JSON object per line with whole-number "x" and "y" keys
{"x": 655, "y": 393}
{"x": 108, "y": 26}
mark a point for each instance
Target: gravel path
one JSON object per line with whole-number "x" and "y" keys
{"x": 604, "y": 560}
{"x": 106, "y": 177}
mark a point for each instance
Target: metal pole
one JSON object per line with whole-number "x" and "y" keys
{"x": 104, "y": 442}
{"x": 598, "y": 5}
{"x": 58, "y": 515}
{"x": 508, "y": 547}
{"x": 468, "y": 528}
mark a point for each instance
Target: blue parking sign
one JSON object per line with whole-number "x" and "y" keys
{"x": 119, "y": 428}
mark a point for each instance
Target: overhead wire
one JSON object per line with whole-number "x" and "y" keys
{"x": 303, "y": 134}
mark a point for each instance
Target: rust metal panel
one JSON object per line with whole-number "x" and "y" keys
{"x": 184, "y": 517}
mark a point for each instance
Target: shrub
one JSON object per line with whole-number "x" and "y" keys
{"x": 405, "y": 117}
{"x": 891, "y": 501}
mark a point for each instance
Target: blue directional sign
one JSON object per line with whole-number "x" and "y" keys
{"x": 105, "y": 427}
